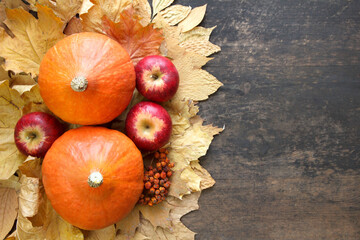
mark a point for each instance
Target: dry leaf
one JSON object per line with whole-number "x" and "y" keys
{"x": 4, "y": 75}
{"x": 10, "y": 112}
{"x": 191, "y": 178}
{"x": 158, "y": 215}
{"x": 33, "y": 37}
{"x": 92, "y": 20}
{"x": 142, "y": 8}
{"x": 64, "y": 9}
{"x": 139, "y": 41}
{"x": 8, "y": 210}
{"x": 29, "y": 197}
{"x": 193, "y": 19}
{"x": 59, "y": 229}
{"x": 193, "y": 144}
{"x": 129, "y": 224}
{"x": 197, "y": 41}
{"x": 12, "y": 182}
{"x": 107, "y": 233}
{"x": 178, "y": 187}
{"x": 33, "y": 101}
{"x": 73, "y": 26}
{"x": 159, "y": 5}
{"x": 206, "y": 180}
{"x": 195, "y": 83}
{"x": 175, "y": 14}
{"x": 31, "y": 167}
{"x": 15, "y": 4}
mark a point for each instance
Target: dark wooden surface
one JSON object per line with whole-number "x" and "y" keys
{"x": 287, "y": 165}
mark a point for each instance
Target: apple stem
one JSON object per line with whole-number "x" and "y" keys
{"x": 95, "y": 179}
{"x": 79, "y": 84}
{"x": 31, "y": 136}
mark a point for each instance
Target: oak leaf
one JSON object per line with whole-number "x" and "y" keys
{"x": 33, "y": 101}
{"x": 107, "y": 233}
{"x": 8, "y": 210}
{"x": 139, "y": 41}
{"x": 33, "y": 37}
{"x": 127, "y": 226}
{"x": 11, "y": 106}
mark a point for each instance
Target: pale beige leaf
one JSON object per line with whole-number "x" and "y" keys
{"x": 11, "y": 106}
{"x": 197, "y": 40}
{"x": 193, "y": 19}
{"x": 8, "y": 210}
{"x": 64, "y": 9}
{"x": 193, "y": 144}
{"x": 191, "y": 178}
{"x": 31, "y": 167}
{"x": 206, "y": 180}
{"x": 2, "y": 12}
{"x": 107, "y": 233}
{"x": 12, "y": 182}
{"x": 33, "y": 101}
{"x": 178, "y": 231}
{"x": 195, "y": 83}
{"x": 129, "y": 224}
{"x": 159, "y": 5}
{"x": 178, "y": 186}
{"x": 26, "y": 231}
{"x": 91, "y": 20}
{"x": 33, "y": 37}
{"x": 180, "y": 112}
{"x": 29, "y": 197}
{"x": 137, "y": 236}
{"x": 15, "y": 4}
{"x": 175, "y": 14}
{"x": 158, "y": 215}
{"x": 86, "y": 5}
{"x": 21, "y": 79}
{"x": 180, "y": 207}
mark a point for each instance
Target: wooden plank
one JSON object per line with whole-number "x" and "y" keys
{"x": 287, "y": 165}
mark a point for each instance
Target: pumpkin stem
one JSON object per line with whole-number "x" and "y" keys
{"x": 79, "y": 84}
{"x": 95, "y": 179}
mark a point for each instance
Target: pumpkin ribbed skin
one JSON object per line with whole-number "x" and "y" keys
{"x": 106, "y": 66}
{"x": 80, "y": 152}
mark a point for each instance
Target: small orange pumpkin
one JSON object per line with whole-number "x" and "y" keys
{"x": 93, "y": 176}
{"x": 87, "y": 78}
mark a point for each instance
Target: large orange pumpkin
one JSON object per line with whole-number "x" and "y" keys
{"x": 93, "y": 176}
{"x": 87, "y": 78}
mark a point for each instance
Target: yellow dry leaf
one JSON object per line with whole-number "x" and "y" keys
{"x": 191, "y": 178}
{"x": 107, "y": 233}
{"x": 178, "y": 187}
{"x": 137, "y": 236}
{"x": 31, "y": 167}
{"x": 180, "y": 207}
{"x": 180, "y": 112}
{"x": 29, "y": 196}
{"x": 12, "y": 182}
{"x": 11, "y": 106}
{"x": 4, "y": 75}
{"x": 15, "y": 4}
{"x": 159, "y": 5}
{"x": 59, "y": 229}
{"x": 175, "y": 14}
{"x": 193, "y": 144}
{"x": 26, "y": 231}
{"x": 193, "y": 19}
{"x": 206, "y": 180}
{"x": 92, "y": 20}
{"x": 129, "y": 224}
{"x": 33, "y": 37}
{"x": 143, "y": 9}
{"x": 158, "y": 215}
{"x": 64, "y": 9}
{"x": 195, "y": 83}
{"x": 8, "y": 210}
{"x": 33, "y": 101}
{"x": 197, "y": 41}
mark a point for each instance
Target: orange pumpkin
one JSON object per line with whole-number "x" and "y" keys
{"x": 93, "y": 176}
{"x": 87, "y": 78}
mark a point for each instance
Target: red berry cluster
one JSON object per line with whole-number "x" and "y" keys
{"x": 156, "y": 179}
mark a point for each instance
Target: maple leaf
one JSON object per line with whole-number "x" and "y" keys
{"x": 33, "y": 37}
{"x": 139, "y": 41}
{"x": 64, "y": 9}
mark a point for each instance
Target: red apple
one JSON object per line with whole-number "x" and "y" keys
{"x": 149, "y": 126}
{"x": 35, "y": 133}
{"x": 156, "y": 78}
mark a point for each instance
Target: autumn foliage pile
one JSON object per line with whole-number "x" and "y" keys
{"x": 28, "y": 31}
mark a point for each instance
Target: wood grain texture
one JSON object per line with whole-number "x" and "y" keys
{"x": 287, "y": 165}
